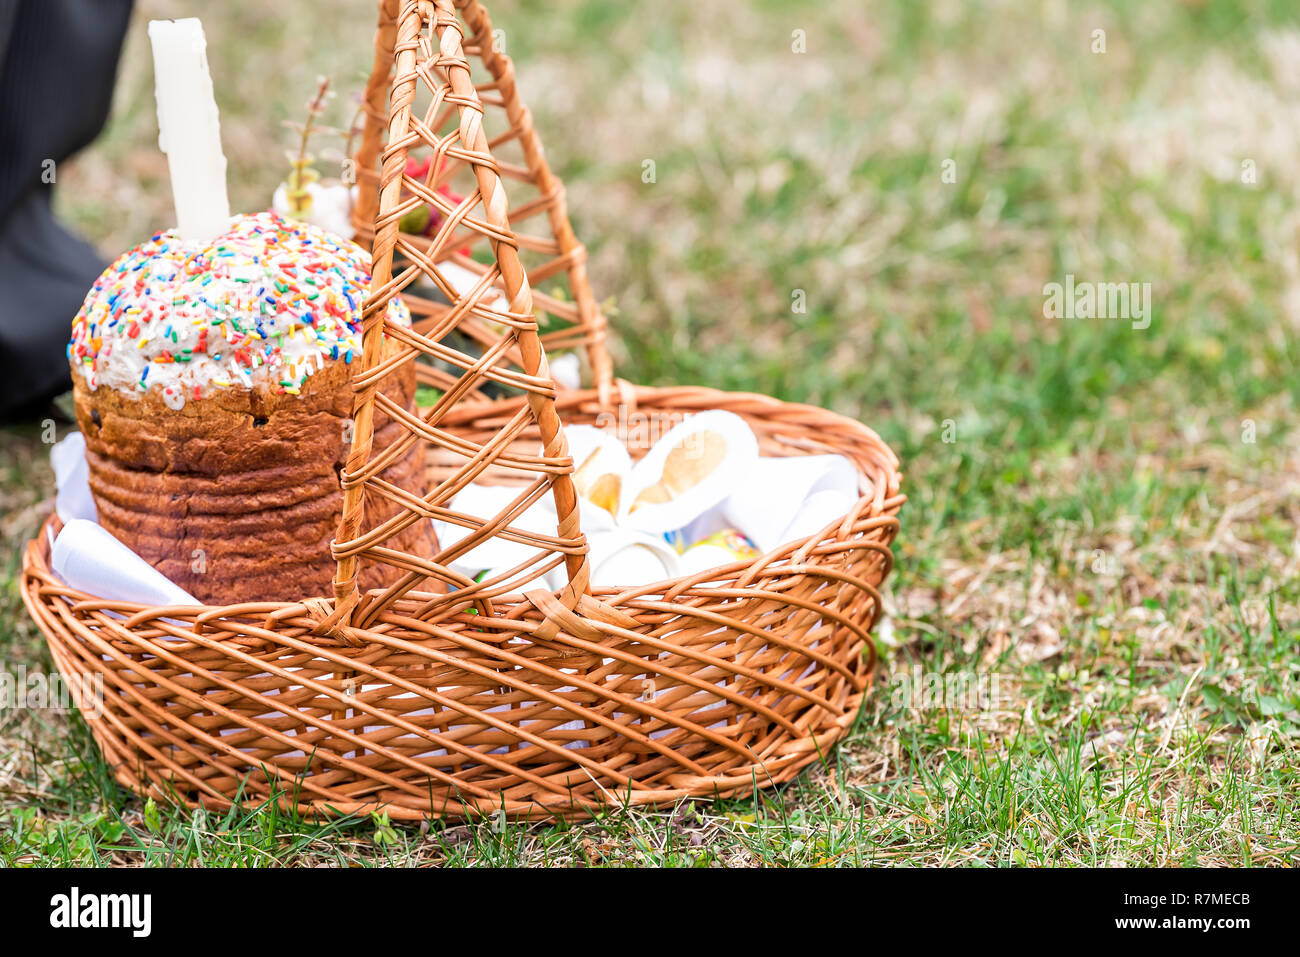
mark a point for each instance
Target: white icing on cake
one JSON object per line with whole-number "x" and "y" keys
{"x": 267, "y": 303}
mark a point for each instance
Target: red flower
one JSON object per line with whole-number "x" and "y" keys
{"x": 426, "y": 220}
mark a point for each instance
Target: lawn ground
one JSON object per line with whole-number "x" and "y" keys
{"x": 1103, "y": 514}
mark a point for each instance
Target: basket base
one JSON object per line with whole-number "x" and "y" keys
{"x": 729, "y": 682}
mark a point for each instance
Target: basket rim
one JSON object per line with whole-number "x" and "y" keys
{"x": 886, "y": 501}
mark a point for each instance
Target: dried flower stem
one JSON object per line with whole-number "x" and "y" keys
{"x": 301, "y": 175}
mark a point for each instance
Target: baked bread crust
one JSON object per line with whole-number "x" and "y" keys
{"x": 235, "y": 497}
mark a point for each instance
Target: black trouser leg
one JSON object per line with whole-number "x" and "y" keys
{"x": 58, "y": 61}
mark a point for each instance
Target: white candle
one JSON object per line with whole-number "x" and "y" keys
{"x": 189, "y": 129}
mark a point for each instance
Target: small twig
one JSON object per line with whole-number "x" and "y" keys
{"x": 354, "y": 128}
{"x": 301, "y": 175}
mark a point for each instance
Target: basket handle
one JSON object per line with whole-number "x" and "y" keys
{"x": 588, "y": 325}
{"x": 407, "y": 35}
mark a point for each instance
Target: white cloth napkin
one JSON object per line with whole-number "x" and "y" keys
{"x": 86, "y": 556}
{"x": 72, "y": 478}
{"x": 91, "y": 560}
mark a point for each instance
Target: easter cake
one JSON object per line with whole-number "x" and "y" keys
{"x": 212, "y": 384}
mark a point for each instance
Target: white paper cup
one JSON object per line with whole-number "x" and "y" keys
{"x": 766, "y": 505}
{"x": 626, "y": 559}
{"x": 817, "y": 512}
{"x": 602, "y": 468}
{"x": 736, "y": 466}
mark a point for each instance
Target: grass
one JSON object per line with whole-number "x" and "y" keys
{"x": 1101, "y": 517}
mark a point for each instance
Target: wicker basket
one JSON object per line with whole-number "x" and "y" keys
{"x": 498, "y": 695}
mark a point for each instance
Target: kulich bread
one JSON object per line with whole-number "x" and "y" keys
{"x": 222, "y": 471}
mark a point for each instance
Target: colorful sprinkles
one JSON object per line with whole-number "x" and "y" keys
{"x": 266, "y": 303}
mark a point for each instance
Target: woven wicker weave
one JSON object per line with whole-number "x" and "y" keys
{"x": 503, "y": 694}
